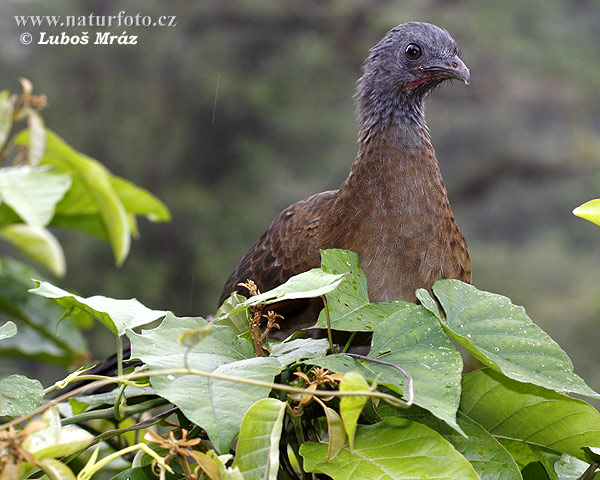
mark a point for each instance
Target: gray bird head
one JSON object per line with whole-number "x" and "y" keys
{"x": 406, "y": 64}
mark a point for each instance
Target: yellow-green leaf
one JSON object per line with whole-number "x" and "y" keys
{"x": 352, "y": 406}
{"x": 590, "y": 211}
{"x": 37, "y": 243}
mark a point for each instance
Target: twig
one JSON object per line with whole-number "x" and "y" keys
{"x": 329, "y": 335}
{"x": 409, "y": 380}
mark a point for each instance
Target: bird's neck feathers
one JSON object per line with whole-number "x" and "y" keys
{"x": 381, "y": 109}
{"x": 396, "y": 165}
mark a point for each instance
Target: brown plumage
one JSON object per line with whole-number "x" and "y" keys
{"x": 393, "y": 208}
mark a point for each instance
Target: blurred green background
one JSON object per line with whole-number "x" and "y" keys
{"x": 246, "y": 106}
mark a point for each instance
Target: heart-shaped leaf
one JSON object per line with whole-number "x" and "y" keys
{"x": 394, "y": 449}
{"x": 530, "y": 414}
{"x": 502, "y": 336}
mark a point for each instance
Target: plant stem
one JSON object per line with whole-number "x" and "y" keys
{"x": 395, "y": 401}
{"x": 109, "y": 412}
{"x": 329, "y": 336}
{"x": 119, "y": 356}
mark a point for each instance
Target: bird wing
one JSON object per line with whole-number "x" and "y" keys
{"x": 290, "y": 245}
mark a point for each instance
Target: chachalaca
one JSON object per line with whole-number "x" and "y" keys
{"x": 393, "y": 208}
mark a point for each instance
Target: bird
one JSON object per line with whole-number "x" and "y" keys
{"x": 393, "y": 208}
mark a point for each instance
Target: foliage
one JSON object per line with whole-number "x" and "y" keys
{"x": 45, "y": 183}
{"x": 590, "y": 211}
{"x": 200, "y": 390}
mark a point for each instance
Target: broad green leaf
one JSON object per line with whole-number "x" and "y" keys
{"x": 351, "y": 407}
{"x": 590, "y": 211}
{"x": 488, "y": 457}
{"x": 56, "y": 470}
{"x": 43, "y": 336}
{"x": 240, "y": 321}
{"x": 336, "y": 434}
{"x": 37, "y": 243}
{"x": 394, "y": 449}
{"x": 19, "y": 395}
{"x": 116, "y": 315}
{"x": 292, "y": 351}
{"x": 55, "y": 441}
{"x": 413, "y": 338}
{"x": 9, "y": 329}
{"x": 429, "y": 303}
{"x": 529, "y": 413}
{"x": 313, "y": 283}
{"x": 95, "y": 180}
{"x": 570, "y": 468}
{"x": 139, "y": 201}
{"x": 349, "y": 307}
{"x": 7, "y": 103}
{"x": 37, "y": 137}
{"x": 521, "y": 452}
{"x": 217, "y": 406}
{"x": 502, "y": 336}
{"x": 33, "y": 192}
{"x": 257, "y": 451}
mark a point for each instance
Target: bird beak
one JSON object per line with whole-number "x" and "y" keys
{"x": 452, "y": 67}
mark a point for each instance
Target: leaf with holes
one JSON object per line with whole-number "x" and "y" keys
{"x": 349, "y": 306}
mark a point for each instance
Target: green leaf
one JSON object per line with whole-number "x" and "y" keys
{"x": 19, "y": 395}
{"x": 313, "y": 283}
{"x": 37, "y": 137}
{"x": 217, "y": 406}
{"x": 95, "y": 182}
{"x": 412, "y": 338}
{"x": 570, "y": 468}
{"x": 116, "y": 315}
{"x": 7, "y": 104}
{"x": 56, "y": 470}
{"x": 240, "y": 321}
{"x": 349, "y": 307}
{"x": 257, "y": 451}
{"x": 33, "y": 192}
{"x": 393, "y": 449}
{"x": 55, "y": 441}
{"x": 292, "y": 351}
{"x": 529, "y": 413}
{"x": 9, "y": 329}
{"x": 37, "y": 243}
{"x": 488, "y": 457}
{"x": 43, "y": 335}
{"x": 590, "y": 211}
{"x": 139, "y": 201}
{"x": 501, "y": 335}
{"x": 336, "y": 434}
{"x": 351, "y": 407}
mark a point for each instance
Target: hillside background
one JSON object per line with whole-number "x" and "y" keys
{"x": 245, "y": 107}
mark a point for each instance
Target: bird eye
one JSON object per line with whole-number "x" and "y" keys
{"x": 413, "y": 51}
